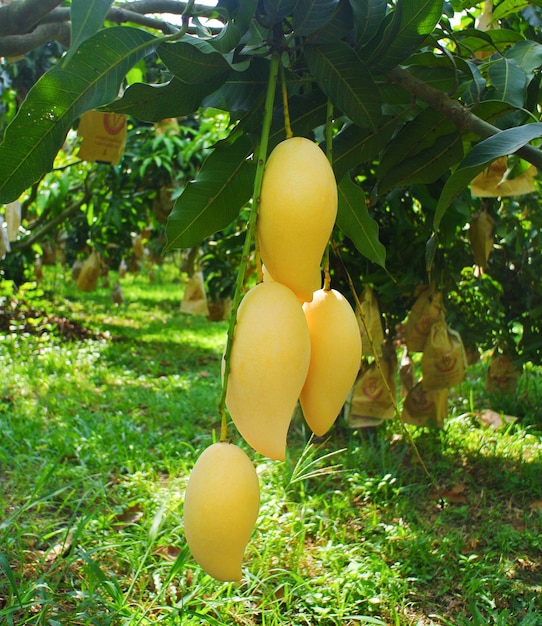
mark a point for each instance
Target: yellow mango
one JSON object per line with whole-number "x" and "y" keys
{"x": 335, "y": 358}
{"x": 221, "y": 506}
{"x": 268, "y": 365}
{"x": 298, "y": 207}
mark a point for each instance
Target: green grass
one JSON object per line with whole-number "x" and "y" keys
{"x": 98, "y": 440}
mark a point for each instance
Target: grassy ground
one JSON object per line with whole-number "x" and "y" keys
{"x": 98, "y": 439}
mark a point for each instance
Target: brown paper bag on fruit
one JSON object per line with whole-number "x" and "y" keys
{"x": 481, "y": 237}
{"x": 13, "y": 219}
{"x": 373, "y": 396}
{"x": 90, "y": 272}
{"x": 406, "y": 372}
{"x": 426, "y": 310}
{"x": 422, "y": 407}
{"x": 502, "y": 373}
{"x": 195, "y": 300}
{"x": 370, "y": 323}
{"x": 494, "y": 181}
{"x": 444, "y": 360}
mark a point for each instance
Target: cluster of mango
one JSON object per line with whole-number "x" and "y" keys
{"x": 293, "y": 341}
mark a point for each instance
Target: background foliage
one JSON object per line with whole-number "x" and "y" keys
{"x": 425, "y": 95}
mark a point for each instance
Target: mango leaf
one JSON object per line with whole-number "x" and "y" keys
{"x": 221, "y": 189}
{"x": 339, "y": 26}
{"x": 152, "y": 103}
{"x": 508, "y": 7}
{"x": 417, "y": 136}
{"x": 368, "y": 15}
{"x": 87, "y": 17}
{"x": 312, "y": 15}
{"x": 528, "y": 55}
{"x": 345, "y": 79}
{"x": 354, "y": 145}
{"x": 88, "y": 81}
{"x": 306, "y": 113}
{"x": 492, "y": 40}
{"x": 236, "y": 27}
{"x": 426, "y": 165}
{"x": 419, "y": 133}
{"x": 276, "y": 10}
{"x": 509, "y": 81}
{"x": 190, "y": 64}
{"x": 241, "y": 89}
{"x": 415, "y": 19}
{"x": 354, "y": 220}
{"x": 481, "y": 155}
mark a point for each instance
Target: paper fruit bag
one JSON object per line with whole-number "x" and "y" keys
{"x": 426, "y": 310}
{"x": 481, "y": 237}
{"x": 371, "y": 401}
{"x": 90, "y": 272}
{"x": 195, "y": 300}
{"x": 502, "y": 373}
{"x": 370, "y": 323}
{"x": 444, "y": 360}
{"x": 103, "y": 136}
{"x": 422, "y": 407}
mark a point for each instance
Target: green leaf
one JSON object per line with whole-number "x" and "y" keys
{"x": 276, "y": 10}
{"x": 354, "y": 146}
{"x": 492, "y": 40}
{"x": 8, "y": 573}
{"x": 504, "y": 143}
{"x": 339, "y": 26}
{"x": 88, "y": 81}
{"x": 312, "y": 15}
{"x": 191, "y": 65}
{"x": 425, "y": 166}
{"x": 306, "y": 113}
{"x": 528, "y": 55}
{"x": 345, "y": 79}
{"x": 241, "y": 89}
{"x": 509, "y": 81}
{"x": 152, "y": 103}
{"x": 354, "y": 220}
{"x": 368, "y": 16}
{"x": 210, "y": 202}
{"x": 413, "y": 21}
{"x": 508, "y": 7}
{"x": 416, "y": 136}
{"x": 236, "y": 27}
{"x": 87, "y": 17}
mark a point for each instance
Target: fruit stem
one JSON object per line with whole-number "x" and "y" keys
{"x": 250, "y": 233}
{"x": 284, "y": 90}
{"x": 329, "y": 155}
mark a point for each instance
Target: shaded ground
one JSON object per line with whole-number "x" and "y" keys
{"x": 19, "y": 317}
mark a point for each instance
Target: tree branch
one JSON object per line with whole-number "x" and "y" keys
{"x": 459, "y": 114}
{"x": 25, "y": 244}
{"x": 20, "y": 16}
{"x": 15, "y": 45}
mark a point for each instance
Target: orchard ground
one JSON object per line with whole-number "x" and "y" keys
{"x": 103, "y": 412}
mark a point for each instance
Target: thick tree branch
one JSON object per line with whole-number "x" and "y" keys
{"x": 15, "y": 45}
{"x": 25, "y": 244}
{"x": 23, "y": 29}
{"x": 20, "y": 16}
{"x": 119, "y": 15}
{"x": 460, "y": 115}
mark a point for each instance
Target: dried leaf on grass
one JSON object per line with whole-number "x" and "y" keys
{"x": 493, "y": 419}
{"x": 455, "y": 495}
